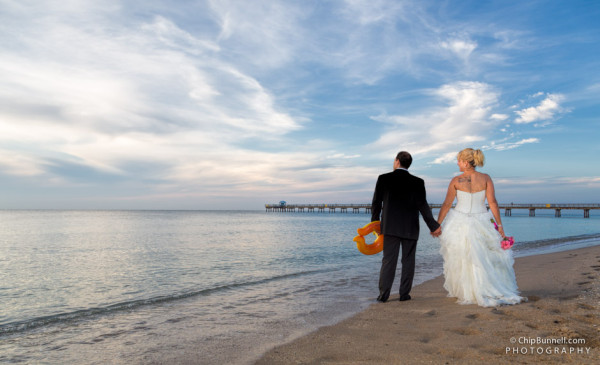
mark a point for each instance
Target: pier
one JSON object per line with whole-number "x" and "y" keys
{"x": 508, "y": 208}
{"x": 366, "y": 208}
{"x": 331, "y": 208}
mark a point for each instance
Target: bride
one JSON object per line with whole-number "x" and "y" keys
{"x": 476, "y": 268}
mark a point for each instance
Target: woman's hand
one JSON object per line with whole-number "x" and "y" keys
{"x": 501, "y": 231}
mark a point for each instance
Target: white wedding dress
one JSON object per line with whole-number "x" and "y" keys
{"x": 476, "y": 268}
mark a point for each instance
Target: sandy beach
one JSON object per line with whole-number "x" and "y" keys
{"x": 559, "y": 323}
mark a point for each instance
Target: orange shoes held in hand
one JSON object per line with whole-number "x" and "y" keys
{"x": 373, "y": 248}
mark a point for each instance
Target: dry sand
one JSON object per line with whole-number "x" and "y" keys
{"x": 564, "y": 294}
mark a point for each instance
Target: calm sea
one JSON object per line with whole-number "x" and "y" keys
{"x": 99, "y": 287}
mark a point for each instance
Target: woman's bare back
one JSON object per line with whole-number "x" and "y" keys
{"x": 471, "y": 182}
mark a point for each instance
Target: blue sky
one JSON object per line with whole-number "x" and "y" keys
{"x": 233, "y": 104}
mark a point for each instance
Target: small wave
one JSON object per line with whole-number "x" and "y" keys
{"x": 558, "y": 241}
{"x": 556, "y": 244}
{"x": 33, "y": 323}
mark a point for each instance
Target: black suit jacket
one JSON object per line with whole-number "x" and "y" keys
{"x": 403, "y": 197}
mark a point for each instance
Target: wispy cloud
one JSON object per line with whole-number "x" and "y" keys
{"x": 544, "y": 111}
{"x": 231, "y": 97}
{"x": 19, "y": 164}
{"x": 499, "y": 117}
{"x": 267, "y": 33}
{"x": 463, "y": 120}
{"x": 461, "y": 48}
{"x": 466, "y": 120}
{"x": 544, "y": 188}
{"x": 152, "y": 92}
{"x": 445, "y": 158}
{"x": 509, "y": 145}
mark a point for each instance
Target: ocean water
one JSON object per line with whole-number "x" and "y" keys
{"x": 210, "y": 287}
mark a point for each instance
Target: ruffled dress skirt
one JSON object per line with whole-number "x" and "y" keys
{"x": 476, "y": 268}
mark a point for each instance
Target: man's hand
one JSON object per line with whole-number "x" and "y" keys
{"x": 437, "y": 232}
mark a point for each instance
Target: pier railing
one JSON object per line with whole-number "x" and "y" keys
{"x": 356, "y": 208}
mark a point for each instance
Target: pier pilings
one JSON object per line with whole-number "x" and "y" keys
{"x": 366, "y": 208}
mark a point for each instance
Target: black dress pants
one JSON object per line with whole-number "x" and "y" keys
{"x": 391, "y": 249}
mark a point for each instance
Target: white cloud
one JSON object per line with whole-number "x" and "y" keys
{"x": 267, "y": 33}
{"x": 445, "y": 158}
{"x": 373, "y": 11}
{"x": 152, "y": 93}
{"x": 463, "y": 121}
{"x": 499, "y": 117}
{"x": 19, "y": 164}
{"x": 527, "y": 189}
{"x": 545, "y": 111}
{"x": 509, "y": 145}
{"x": 198, "y": 98}
{"x": 461, "y": 48}
{"x": 152, "y": 102}
{"x": 342, "y": 155}
{"x": 176, "y": 38}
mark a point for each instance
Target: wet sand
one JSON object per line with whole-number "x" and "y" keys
{"x": 559, "y": 324}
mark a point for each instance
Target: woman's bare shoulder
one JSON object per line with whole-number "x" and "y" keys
{"x": 455, "y": 180}
{"x": 486, "y": 179}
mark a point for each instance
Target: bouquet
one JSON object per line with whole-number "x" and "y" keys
{"x": 507, "y": 242}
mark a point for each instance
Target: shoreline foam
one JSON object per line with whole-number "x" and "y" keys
{"x": 551, "y": 245}
{"x": 563, "y": 291}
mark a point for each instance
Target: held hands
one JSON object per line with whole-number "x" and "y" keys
{"x": 437, "y": 232}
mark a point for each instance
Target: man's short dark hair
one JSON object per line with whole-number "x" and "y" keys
{"x": 405, "y": 159}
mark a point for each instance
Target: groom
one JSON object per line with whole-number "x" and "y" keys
{"x": 403, "y": 197}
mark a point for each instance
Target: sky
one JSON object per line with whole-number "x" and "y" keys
{"x": 223, "y": 104}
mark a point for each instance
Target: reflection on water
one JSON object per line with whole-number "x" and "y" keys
{"x": 153, "y": 286}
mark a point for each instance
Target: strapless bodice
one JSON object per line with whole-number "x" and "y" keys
{"x": 470, "y": 202}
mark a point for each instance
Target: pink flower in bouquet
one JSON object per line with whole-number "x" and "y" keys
{"x": 507, "y": 242}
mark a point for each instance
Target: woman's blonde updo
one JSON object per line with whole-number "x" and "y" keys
{"x": 474, "y": 157}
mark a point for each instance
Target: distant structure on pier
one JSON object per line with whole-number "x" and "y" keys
{"x": 282, "y": 206}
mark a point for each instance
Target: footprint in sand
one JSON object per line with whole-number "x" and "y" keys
{"x": 586, "y": 306}
{"x": 467, "y": 331}
{"x": 588, "y": 318}
{"x": 428, "y": 338}
{"x": 473, "y": 316}
{"x": 431, "y": 313}
{"x": 568, "y": 297}
{"x": 584, "y": 283}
